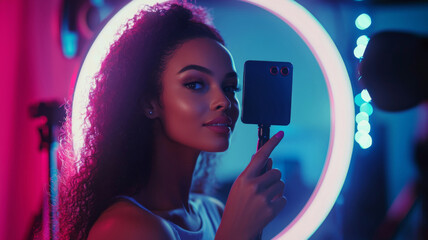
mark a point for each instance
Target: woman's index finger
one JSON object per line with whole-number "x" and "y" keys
{"x": 260, "y": 158}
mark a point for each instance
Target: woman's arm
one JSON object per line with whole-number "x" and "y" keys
{"x": 126, "y": 222}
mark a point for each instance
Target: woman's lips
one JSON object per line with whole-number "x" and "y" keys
{"x": 220, "y": 125}
{"x": 222, "y": 128}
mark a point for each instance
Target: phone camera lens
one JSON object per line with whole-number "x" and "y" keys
{"x": 285, "y": 71}
{"x": 274, "y": 70}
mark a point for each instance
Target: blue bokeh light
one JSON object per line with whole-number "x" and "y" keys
{"x": 366, "y": 96}
{"x": 367, "y": 108}
{"x": 358, "y": 100}
{"x": 363, "y": 40}
{"x": 361, "y": 116}
{"x": 365, "y": 141}
{"x": 359, "y": 51}
{"x": 363, "y": 21}
{"x": 364, "y": 126}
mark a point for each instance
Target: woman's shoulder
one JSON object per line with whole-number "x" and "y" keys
{"x": 124, "y": 220}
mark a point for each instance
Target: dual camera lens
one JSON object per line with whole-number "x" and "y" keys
{"x": 274, "y": 70}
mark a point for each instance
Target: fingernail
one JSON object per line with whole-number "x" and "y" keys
{"x": 279, "y": 135}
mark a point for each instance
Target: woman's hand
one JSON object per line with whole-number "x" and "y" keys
{"x": 255, "y": 198}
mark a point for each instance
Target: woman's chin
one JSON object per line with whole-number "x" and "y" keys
{"x": 217, "y": 148}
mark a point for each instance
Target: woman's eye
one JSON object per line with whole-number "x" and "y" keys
{"x": 194, "y": 85}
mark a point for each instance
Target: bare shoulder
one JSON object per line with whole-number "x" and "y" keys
{"x": 217, "y": 203}
{"x": 124, "y": 220}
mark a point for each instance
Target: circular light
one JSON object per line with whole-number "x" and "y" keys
{"x": 365, "y": 141}
{"x": 342, "y": 115}
{"x": 365, "y": 95}
{"x": 358, "y": 136}
{"x": 359, "y": 51}
{"x": 363, "y": 126}
{"x": 361, "y": 116}
{"x": 337, "y": 81}
{"x": 367, "y": 108}
{"x": 363, "y": 40}
{"x": 363, "y": 21}
{"x": 358, "y": 99}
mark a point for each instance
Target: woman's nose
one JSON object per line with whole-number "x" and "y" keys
{"x": 220, "y": 101}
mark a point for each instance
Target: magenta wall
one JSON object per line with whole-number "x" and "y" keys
{"x": 32, "y": 69}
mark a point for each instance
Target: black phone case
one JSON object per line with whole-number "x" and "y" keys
{"x": 266, "y": 95}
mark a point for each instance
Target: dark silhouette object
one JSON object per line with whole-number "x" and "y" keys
{"x": 394, "y": 70}
{"x": 54, "y": 114}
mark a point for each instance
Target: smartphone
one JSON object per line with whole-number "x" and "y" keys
{"x": 267, "y": 92}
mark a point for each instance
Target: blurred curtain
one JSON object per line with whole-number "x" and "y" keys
{"x": 33, "y": 69}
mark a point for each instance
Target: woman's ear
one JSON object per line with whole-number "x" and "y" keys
{"x": 151, "y": 109}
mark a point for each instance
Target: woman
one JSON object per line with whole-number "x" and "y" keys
{"x": 165, "y": 94}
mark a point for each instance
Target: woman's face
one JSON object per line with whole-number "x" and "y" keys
{"x": 198, "y": 105}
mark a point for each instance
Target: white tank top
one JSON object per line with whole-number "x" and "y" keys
{"x": 207, "y": 211}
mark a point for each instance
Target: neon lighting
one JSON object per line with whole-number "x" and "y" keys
{"x": 363, "y": 21}
{"x": 364, "y": 126}
{"x": 54, "y": 188}
{"x": 358, "y": 136}
{"x": 365, "y": 141}
{"x": 342, "y": 115}
{"x": 363, "y": 40}
{"x": 69, "y": 40}
{"x": 362, "y": 137}
{"x": 361, "y": 116}
{"x": 359, "y": 51}
{"x": 365, "y": 95}
{"x": 358, "y": 99}
{"x": 337, "y": 81}
{"x": 367, "y": 108}
{"x": 98, "y": 3}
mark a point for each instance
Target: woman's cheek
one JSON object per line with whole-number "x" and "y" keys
{"x": 183, "y": 116}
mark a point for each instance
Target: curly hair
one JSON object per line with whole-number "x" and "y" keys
{"x": 117, "y": 154}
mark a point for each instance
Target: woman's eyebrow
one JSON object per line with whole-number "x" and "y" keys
{"x": 206, "y": 70}
{"x": 197, "y": 68}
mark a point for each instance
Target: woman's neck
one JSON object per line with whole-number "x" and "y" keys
{"x": 171, "y": 175}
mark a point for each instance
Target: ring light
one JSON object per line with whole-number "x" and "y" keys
{"x": 340, "y": 94}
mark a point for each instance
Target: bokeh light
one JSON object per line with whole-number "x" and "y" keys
{"x": 361, "y": 116}
{"x": 358, "y": 100}
{"x": 363, "y": 40}
{"x": 365, "y": 141}
{"x": 367, "y": 108}
{"x": 364, "y": 126}
{"x": 365, "y": 95}
{"x": 359, "y": 51}
{"x": 363, "y": 21}
{"x": 69, "y": 42}
{"x": 358, "y": 136}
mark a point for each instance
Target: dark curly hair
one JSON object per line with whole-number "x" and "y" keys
{"x": 117, "y": 152}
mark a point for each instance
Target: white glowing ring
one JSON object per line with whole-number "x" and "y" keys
{"x": 338, "y": 84}
{"x": 92, "y": 64}
{"x": 342, "y": 116}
